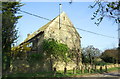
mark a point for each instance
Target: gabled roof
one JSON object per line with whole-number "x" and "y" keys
{"x": 38, "y": 31}
{"x": 42, "y": 29}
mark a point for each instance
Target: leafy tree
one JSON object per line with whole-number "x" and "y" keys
{"x": 55, "y": 51}
{"x": 9, "y": 32}
{"x": 106, "y": 9}
{"x": 110, "y": 56}
{"x": 89, "y": 53}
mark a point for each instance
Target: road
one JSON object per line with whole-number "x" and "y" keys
{"x": 110, "y": 74}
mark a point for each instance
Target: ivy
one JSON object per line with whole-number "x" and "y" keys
{"x": 56, "y": 50}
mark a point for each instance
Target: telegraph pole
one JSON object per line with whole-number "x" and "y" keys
{"x": 118, "y": 40}
{"x": 118, "y": 37}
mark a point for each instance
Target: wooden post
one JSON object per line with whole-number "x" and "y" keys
{"x": 106, "y": 68}
{"x": 89, "y": 70}
{"x": 100, "y": 69}
{"x": 65, "y": 70}
{"x": 95, "y": 68}
{"x": 82, "y": 69}
{"x": 74, "y": 70}
{"x": 54, "y": 70}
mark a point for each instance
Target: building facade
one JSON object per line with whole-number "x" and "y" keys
{"x": 60, "y": 29}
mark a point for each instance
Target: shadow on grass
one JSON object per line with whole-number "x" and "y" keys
{"x": 51, "y": 74}
{"x": 38, "y": 74}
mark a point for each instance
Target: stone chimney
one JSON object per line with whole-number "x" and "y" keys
{"x": 28, "y": 34}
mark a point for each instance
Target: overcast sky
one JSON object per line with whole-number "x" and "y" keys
{"x": 79, "y": 14}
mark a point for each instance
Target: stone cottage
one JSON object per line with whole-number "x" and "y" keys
{"x": 61, "y": 29}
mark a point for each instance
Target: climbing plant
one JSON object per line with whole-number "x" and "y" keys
{"x": 55, "y": 51}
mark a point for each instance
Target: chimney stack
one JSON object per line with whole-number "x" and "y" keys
{"x": 28, "y": 34}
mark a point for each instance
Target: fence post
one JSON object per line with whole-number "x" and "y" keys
{"x": 100, "y": 69}
{"x": 65, "y": 70}
{"x": 82, "y": 69}
{"x": 54, "y": 71}
{"x": 89, "y": 70}
{"x": 106, "y": 68}
{"x": 74, "y": 71}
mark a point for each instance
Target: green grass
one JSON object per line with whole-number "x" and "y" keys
{"x": 58, "y": 73}
{"x": 114, "y": 68}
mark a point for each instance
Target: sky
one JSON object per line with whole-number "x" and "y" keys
{"x": 64, "y": 0}
{"x": 80, "y": 16}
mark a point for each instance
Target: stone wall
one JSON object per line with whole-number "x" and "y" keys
{"x": 61, "y": 66}
{"x": 64, "y": 32}
{"x": 24, "y": 66}
{"x": 72, "y": 65}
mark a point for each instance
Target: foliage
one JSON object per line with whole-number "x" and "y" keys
{"x": 56, "y": 51}
{"x": 89, "y": 53}
{"x": 101, "y": 63}
{"x": 106, "y": 9}
{"x": 9, "y": 21}
{"x": 9, "y": 32}
{"x": 36, "y": 56}
{"x": 110, "y": 55}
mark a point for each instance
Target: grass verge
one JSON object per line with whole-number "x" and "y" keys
{"x": 59, "y": 73}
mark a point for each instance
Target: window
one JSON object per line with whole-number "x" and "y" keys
{"x": 30, "y": 45}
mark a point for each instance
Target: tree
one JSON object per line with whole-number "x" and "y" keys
{"x": 55, "y": 51}
{"x": 89, "y": 53}
{"x": 110, "y": 56}
{"x": 106, "y": 9}
{"x": 9, "y": 32}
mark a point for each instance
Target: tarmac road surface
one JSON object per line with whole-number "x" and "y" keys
{"x": 110, "y": 74}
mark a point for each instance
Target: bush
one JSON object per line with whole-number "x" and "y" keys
{"x": 101, "y": 63}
